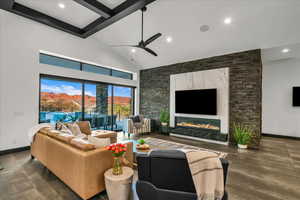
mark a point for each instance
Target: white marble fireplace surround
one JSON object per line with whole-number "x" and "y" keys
{"x": 208, "y": 79}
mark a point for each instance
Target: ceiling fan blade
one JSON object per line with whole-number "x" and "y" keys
{"x": 151, "y": 39}
{"x": 123, "y": 46}
{"x": 150, "y": 51}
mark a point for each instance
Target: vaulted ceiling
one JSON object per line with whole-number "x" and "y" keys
{"x": 267, "y": 24}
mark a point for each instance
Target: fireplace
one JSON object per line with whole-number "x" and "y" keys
{"x": 199, "y": 128}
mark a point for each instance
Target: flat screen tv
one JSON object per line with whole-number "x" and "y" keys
{"x": 202, "y": 102}
{"x": 296, "y": 96}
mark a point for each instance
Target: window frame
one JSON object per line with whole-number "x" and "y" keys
{"x": 85, "y": 63}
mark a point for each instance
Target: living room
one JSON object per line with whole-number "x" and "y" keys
{"x": 159, "y": 76}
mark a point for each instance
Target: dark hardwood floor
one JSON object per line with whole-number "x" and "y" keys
{"x": 271, "y": 173}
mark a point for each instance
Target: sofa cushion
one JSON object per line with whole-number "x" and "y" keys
{"x": 85, "y": 127}
{"x": 45, "y": 130}
{"x": 99, "y": 142}
{"x": 82, "y": 144}
{"x": 61, "y": 136}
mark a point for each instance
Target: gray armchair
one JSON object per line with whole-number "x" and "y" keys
{"x": 137, "y": 125}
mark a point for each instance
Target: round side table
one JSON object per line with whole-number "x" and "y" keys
{"x": 118, "y": 187}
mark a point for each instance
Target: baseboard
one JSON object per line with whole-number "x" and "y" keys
{"x": 280, "y": 136}
{"x": 14, "y": 150}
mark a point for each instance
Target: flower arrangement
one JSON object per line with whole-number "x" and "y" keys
{"x": 117, "y": 149}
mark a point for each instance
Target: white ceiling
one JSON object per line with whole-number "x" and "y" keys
{"x": 265, "y": 24}
{"x": 111, "y": 3}
{"x": 255, "y": 24}
{"x": 73, "y": 13}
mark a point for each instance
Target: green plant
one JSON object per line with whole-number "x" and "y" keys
{"x": 141, "y": 141}
{"x": 164, "y": 116}
{"x": 242, "y": 134}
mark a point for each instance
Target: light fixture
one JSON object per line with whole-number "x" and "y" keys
{"x": 169, "y": 39}
{"x": 227, "y": 20}
{"x": 61, "y": 5}
{"x": 133, "y": 50}
{"x": 285, "y": 50}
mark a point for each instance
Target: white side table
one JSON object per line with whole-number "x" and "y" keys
{"x": 118, "y": 187}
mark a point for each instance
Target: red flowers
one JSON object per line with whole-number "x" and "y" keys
{"x": 117, "y": 149}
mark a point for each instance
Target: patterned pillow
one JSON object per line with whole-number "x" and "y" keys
{"x": 74, "y": 128}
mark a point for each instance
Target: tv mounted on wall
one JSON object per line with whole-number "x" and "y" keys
{"x": 202, "y": 102}
{"x": 296, "y": 96}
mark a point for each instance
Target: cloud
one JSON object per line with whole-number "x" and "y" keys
{"x": 67, "y": 89}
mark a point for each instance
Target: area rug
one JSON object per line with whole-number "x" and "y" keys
{"x": 165, "y": 144}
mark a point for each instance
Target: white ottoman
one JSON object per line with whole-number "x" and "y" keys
{"x": 118, "y": 187}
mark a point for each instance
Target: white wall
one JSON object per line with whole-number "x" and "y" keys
{"x": 279, "y": 117}
{"x": 208, "y": 79}
{"x": 20, "y": 42}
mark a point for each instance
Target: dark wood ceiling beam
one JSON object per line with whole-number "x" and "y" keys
{"x": 97, "y": 7}
{"x": 121, "y": 11}
{"x": 45, "y": 19}
{"x": 6, "y": 4}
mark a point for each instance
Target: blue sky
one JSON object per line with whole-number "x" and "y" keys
{"x": 75, "y": 88}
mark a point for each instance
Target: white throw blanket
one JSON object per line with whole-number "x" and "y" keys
{"x": 207, "y": 172}
{"x": 33, "y": 130}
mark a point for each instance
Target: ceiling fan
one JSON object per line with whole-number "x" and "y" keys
{"x": 143, "y": 44}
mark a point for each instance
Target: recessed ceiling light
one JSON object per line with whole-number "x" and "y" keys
{"x": 61, "y": 5}
{"x": 169, "y": 39}
{"x": 133, "y": 50}
{"x": 286, "y": 50}
{"x": 204, "y": 28}
{"x": 228, "y": 20}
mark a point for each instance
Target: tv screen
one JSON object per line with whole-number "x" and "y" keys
{"x": 296, "y": 96}
{"x": 202, "y": 102}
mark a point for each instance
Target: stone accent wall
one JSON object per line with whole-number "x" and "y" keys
{"x": 245, "y": 87}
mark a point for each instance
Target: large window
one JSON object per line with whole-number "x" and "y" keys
{"x": 66, "y": 100}
{"x": 72, "y": 64}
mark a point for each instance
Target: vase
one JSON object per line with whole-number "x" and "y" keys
{"x": 242, "y": 146}
{"x": 117, "y": 166}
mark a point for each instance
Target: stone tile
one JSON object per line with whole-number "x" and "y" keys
{"x": 271, "y": 173}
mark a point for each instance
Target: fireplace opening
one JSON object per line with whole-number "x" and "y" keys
{"x": 198, "y": 125}
{"x": 199, "y": 128}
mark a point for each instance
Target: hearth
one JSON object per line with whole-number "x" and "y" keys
{"x": 199, "y": 128}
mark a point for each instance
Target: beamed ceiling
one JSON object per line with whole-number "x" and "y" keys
{"x": 105, "y": 13}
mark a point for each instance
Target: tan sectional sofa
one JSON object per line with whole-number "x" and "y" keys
{"x": 82, "y": 171}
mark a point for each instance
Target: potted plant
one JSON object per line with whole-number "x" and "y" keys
{"x": 118, "y": 151}
{"x": 242, "y": 135}
{"x": 164, "y": 117}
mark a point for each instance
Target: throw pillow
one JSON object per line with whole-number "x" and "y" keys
{"x": 99, "y": 142}
{"x": 65, "y": 129}
{"x": 135, "y": 119}
{"x": 74, "y": 128}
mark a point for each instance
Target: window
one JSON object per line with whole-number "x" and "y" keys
{"x": 67, "y": 100}
{"x": 61, "y": 62}
{"x": 71, "y": 64}
{"x": 121, "y": 74}
{"x": 95, "y": 69}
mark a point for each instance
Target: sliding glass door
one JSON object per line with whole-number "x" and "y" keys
{"x": 60, "y": 100}
{"x": 122, "y": 105}
{"x": 66, "y": 100}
